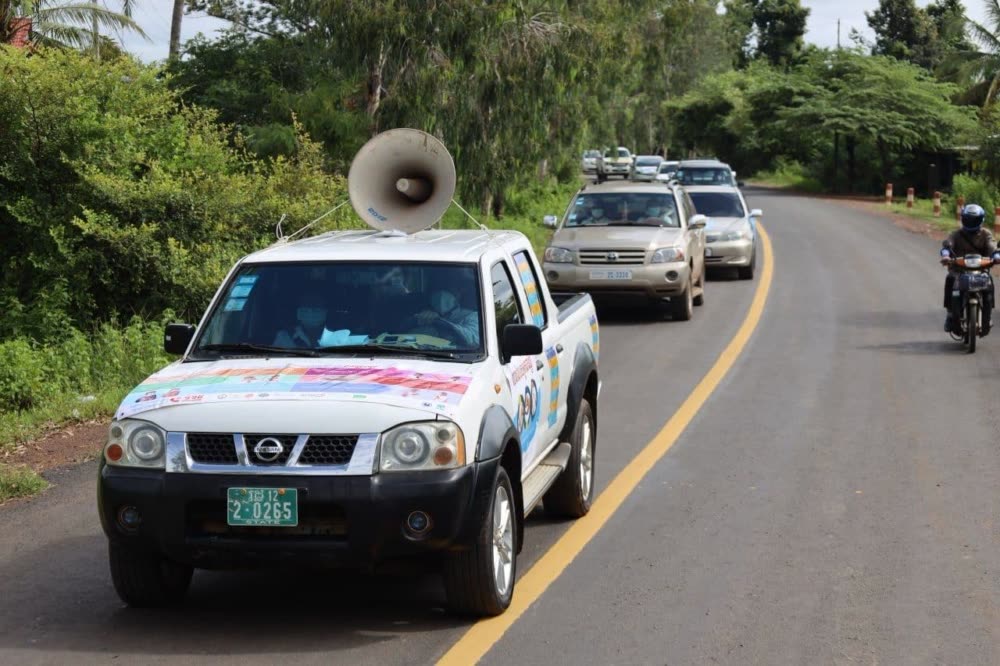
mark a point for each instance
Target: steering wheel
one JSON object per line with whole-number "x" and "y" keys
{"x": 446, "y": 329}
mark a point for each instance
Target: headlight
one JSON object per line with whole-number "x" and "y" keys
{"x": 666, "y": 255}
{"x": 558, "y": 255}
{"x": 135, "y": 444}
{"x": 419, "y": 446}
{"x": 743, "y": 234}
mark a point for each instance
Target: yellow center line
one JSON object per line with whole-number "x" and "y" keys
{"x": 480, "y": 637}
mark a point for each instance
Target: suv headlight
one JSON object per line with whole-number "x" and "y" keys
{"x": 135, "y": 444}
{"x": 666, "y": 255}
{"x": 421, "y": 446}
{"x": 558, "y": 255}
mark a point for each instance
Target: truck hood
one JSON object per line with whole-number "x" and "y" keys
{"x": 299, "y": 395}
{"x": 616, "y": 238}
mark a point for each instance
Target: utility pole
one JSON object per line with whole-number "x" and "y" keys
{"x": 838, "y": 34}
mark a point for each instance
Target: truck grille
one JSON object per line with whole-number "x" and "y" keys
{"x": 328, "y": 450}
{"x": 211, "y": 448}
{"x": 614, "y": 257}
{"x": 287, "y": 444}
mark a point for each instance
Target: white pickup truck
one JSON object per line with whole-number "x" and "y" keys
{"x": 354, "y": 398}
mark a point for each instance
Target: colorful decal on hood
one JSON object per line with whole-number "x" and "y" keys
{"x": 397, "y": 386}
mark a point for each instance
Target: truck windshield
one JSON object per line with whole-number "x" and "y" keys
{"x": 705, "y": 176}
{"x": 309, "y": 309}
{"x": 650, "y": 209}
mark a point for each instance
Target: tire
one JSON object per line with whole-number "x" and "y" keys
{"x": 573, "y": 492}
{"x": 470, "y": 577}
{"x": 683, "y": 308}
{"x": 145, "y": 579}
{"x": 972, "y": 326}
{"x": 699, "y": 300}
{"x": 746, "y": 272}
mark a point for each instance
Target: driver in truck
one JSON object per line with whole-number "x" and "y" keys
{"x": 445, "y": 307}
{"x": 310, "y": 318}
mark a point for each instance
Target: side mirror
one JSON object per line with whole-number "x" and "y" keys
{"x": 697, "y": 222}
{"x": 520, "y": 340}
{"x": 756, "y": 212}
{"x": 551, "y": 221}
{"x": 177, "y": 337}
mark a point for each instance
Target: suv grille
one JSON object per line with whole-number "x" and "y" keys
{"x": 287, "y": 444}
{"x": 613, "y": 257}
{"x": 211, "y": 448}
{"x": 328, "y": 450}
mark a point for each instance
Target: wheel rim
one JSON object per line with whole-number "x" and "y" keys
{"x": 503, "y": 541}
{"x": 586, "y": 459}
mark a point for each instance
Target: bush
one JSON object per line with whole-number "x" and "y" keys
{"x": 978, "y": 191}
{"x": 25, "y": 378}
{"x": 792, "y": 175}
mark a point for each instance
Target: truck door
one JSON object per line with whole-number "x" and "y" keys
{"x": 523, "y": 373}
{"x": 554, "y": 394}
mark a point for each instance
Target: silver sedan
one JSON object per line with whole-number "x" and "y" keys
{"x": 731, "y": 234}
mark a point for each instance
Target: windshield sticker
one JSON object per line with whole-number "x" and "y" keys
{"x": 398, "y": 386}
{"x": 247, "y": 279}
{"x": 235, "y": 304}
{"x": 241, "y": 290}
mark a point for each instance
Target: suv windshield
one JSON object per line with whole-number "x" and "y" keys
{"x": 623, "y": 153}
{"x": 592, "y": 153}
{"x": 705, "y": 176}
{"x": 647, "y": 161}
{"x": 336, "y": 307}
{"x": 603, "y": 209}
{"x": 718, "y": 204}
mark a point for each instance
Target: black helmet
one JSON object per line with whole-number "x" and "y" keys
{"x": 972, "y": 218}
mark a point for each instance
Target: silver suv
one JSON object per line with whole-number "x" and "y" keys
{"x": 637, "y": 240}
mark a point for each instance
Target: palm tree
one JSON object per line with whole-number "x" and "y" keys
{"x": 983, "y": 66}
{"x": 68, "y": 24}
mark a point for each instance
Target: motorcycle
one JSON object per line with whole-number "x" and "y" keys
{"x": 974, "y": 290}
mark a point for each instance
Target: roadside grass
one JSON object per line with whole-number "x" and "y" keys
{"x": 19, "y": 482}
{"x": 923, "y": 209}
{"x": 24, "y": 426}
{"x": 788, "y": 176}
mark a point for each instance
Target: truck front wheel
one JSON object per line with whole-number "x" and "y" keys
{"x": 573, "y": 492}
{"x": 144, "y": 579}
{"x": 480, "y": 581}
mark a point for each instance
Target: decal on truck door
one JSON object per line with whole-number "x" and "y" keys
{"x": 524, "y": 389}
{"x": 553, "y": 361}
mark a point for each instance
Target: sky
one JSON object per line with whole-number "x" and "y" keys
{"x": 154, "y": 18}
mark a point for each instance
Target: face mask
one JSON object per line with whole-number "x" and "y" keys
{"x": 443, "y": 302}
{"x": 597, "y": 212}
{"x": 312, "y": 317}
{"x": 652, "y": 212}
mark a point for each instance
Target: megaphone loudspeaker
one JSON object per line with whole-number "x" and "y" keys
{"x": 403, "y": 180}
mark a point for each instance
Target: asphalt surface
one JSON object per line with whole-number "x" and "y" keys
{"x": 835, "y": 501}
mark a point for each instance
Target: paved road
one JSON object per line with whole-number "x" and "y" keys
{"x": 835, "y": 501}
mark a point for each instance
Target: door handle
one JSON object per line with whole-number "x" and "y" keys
{"x": 539, "y": 365}
{"x": 559, "y": 348}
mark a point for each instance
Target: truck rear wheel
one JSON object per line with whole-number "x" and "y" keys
{"x": 573, "y": 492}
{"x": 145, "y": 579}
{"x": 480, "y": 581}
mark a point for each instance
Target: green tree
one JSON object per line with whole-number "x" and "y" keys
{"x": 982, "y": 66}
{"x": 780, "y": 25}
{"x": 73, "y": 24}
{"x": 903, "y": 31}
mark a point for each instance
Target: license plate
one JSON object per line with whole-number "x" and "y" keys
{"x": 610, "y": 275}
{"x": 272, "y": 507}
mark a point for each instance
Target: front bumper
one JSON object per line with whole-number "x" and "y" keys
{"x": 729, "y": 253}
{"x": 351, "y": 520}
{"x": 650, "y": 281}
{"x": 644, "y": 177}
{"x": 617, "y": 169}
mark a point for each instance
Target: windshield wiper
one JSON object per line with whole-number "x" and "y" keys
{"x": 262, "y": 349}
{"x": 391, "y": 349}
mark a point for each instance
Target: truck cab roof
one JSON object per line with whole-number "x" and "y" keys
{"x": 463, "y": 245}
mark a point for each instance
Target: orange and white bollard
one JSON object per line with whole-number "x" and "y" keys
{"x": 937, "y": 204}
{"x": 958, "y": 208}
{"x": 888, "y": 194}
{"x": 996, "y": 218}
{"x": 909, "y": 197}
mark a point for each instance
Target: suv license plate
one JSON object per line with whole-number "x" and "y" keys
{"x": 271, "y": 507}
{"x": 610, "y": 275}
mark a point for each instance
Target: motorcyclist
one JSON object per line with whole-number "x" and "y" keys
{"x": 971, "y": 238}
